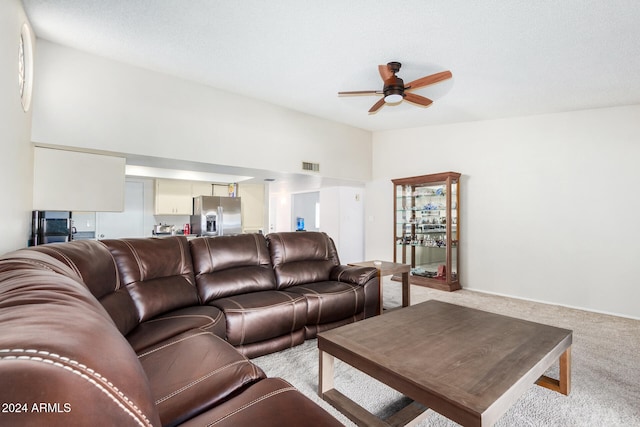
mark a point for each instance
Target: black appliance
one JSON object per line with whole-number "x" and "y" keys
{"x": 51, "y": 227}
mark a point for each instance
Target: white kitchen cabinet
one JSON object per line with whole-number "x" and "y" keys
{"x": 67, "y": 181}
{"x": 173, "y": 197}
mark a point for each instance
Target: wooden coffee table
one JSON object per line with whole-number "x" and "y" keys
{"x": 466, "y": 364}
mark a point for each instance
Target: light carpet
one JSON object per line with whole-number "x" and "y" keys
{"x": 605, "y": 367}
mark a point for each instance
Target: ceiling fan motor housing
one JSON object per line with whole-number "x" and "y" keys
{"x": 394, "y": 86}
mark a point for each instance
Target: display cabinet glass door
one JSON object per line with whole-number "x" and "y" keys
{"x": 426, "y": 228}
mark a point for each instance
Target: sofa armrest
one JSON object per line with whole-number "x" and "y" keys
{"x": 367, "y": 277}
{"x": 352, "y": 274}
{"x": 59, "y": 348}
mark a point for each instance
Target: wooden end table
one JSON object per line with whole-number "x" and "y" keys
{"x": 386, "y": 268}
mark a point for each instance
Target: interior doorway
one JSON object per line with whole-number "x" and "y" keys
{"x": 305, "y": 211}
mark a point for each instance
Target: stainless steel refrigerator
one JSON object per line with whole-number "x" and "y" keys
{"x": 216, "y": 216}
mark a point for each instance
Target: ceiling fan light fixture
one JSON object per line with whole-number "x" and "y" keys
{"x": 393, "y": 98}
{"x": 393, "y": 90}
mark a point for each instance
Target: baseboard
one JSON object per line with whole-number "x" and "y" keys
{"x": 551, "y": 303}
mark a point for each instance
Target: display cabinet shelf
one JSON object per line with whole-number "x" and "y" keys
{"x": 427, "y": 230}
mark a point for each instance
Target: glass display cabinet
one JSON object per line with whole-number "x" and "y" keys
{"x": 427, "y": 229}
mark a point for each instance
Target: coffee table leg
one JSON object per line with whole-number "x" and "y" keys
{"x": 325, "y": 374}
{"x": 408, "y": 416}
{"x": 565, "y": 372}
{"x": 563, "y": 384}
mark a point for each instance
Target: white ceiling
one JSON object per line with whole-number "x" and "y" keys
{"x": 508, "y": 57}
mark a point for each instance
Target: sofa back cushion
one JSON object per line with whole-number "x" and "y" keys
{"x": 93, "y": 263}
{"x": 157, "y": 272}
{"x": 28, "y": 259}
{"x": 231, "y": 265}
{"x": 301, "y": 257}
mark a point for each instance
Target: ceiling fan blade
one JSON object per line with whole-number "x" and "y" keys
{"x": 428, "y": 80}
{"x": 377, "y": 106}
{"x": 385, "y": 72}
{"x": 417, "y": 99}
{"x": 360, "y": 92}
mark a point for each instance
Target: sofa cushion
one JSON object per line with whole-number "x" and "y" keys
{"x": 58, "y": 346}
{"x": 168, "y": 325}
{"x": 95, "y": 265}
{"x": 312, "y": 331}
{"x": 258, "y": 316}
{"x": 272, "y": 345}
{"x": 157, "y": 272}
{"x": 231, "y": 265}
{"x": 194, "y": 371}
{"x": 272, "y": 401}
{"x": 301, "y": 257}
{"x": 330, "y": 301}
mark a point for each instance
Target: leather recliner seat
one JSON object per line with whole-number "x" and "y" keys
{"x": 234, "y": 274}
{"x": 307, "y": 264}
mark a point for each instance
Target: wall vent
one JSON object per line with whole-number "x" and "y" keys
{"x": 313, "y": 167}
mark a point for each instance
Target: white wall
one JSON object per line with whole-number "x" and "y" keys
{"x": 549, "y": 203}
{"x": 90, "y": 102}
{"x": 16, "y": 158}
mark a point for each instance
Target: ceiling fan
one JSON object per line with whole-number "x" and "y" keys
{"x": 395, "y": 90}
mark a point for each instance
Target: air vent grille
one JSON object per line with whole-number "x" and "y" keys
{"x": 313, "y": 167}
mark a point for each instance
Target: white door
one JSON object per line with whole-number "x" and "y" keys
{"x": 279, "y": 212}
{"x": 130, "y": 223}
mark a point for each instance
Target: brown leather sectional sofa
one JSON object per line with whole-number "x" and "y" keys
{"x": 159, "y": 331}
